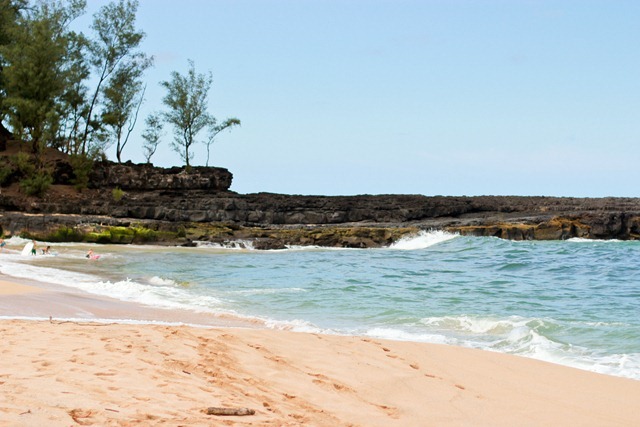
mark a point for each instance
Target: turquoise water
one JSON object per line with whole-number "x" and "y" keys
{"x": 572, "y": 302}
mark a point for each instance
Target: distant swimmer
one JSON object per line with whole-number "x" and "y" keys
{"x": 91, "y": 255}
{"x": 46, "y": 251}
{"x": 2, "y": 244}
{"x": 34, "y": 250}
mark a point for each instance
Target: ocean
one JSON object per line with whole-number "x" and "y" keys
{"x": 574, "y": 302}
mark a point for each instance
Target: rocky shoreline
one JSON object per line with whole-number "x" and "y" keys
{"x": 144, "y": 204}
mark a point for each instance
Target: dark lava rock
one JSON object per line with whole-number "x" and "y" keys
{"x": 183, "y": 206}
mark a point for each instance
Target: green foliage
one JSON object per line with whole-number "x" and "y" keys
{"x": 123, "y": 235}
{"x": 117, "y": 194}
{"x": 7, "y": 170}
{"x": 103, "y": 237}
{"x": 186, "y": 100}
{"x": 215, "y": 129}
{"x": 120, "y": 235}
{"x": 81, "y": 165}
{"x": 145, "y": 235}
{"x": 113, "y": 53}
{"x": 5, "y": 174}
{"x": 73, "y": 107}
{"x": 37, "y": 184}
{"x": 65, "y": 234}
{"x": 9, "y": 13}
{"x": 23, "y": 163}
{"x": 34, "y": 77}
{"x": 26, "y": 235}
{"x": 80, "y": 93}
{"x": 108, "y": 235}
{"x": 45, "y": 69}
{"x": 122, "y": 102}
{"x": 111, "y": 235}
{"x": 151, "y": 135}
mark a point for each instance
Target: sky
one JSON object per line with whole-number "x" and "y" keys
{"x": 433, "y": 97}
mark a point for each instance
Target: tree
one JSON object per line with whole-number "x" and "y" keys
{"x": 151, "y": 135}
{"x": 186, "y": 100}
{"x": 73, "y": 106}
{"x": 46, "y": 75}
{"x": 9, "y": 13}
{"x": 122, "y": 103}
{"x": 34, "y": 75}
{"x": 215, "y": 129}
{"x": 115, "y": 46}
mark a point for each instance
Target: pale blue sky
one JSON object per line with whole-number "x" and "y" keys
{"x": 409, "y": 97}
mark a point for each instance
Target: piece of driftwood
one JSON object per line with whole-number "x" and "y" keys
{"x": 229, "y": 411}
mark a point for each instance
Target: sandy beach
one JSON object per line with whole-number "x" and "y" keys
{"x": 11, "y": 288}
{"x": 58, "y": 372}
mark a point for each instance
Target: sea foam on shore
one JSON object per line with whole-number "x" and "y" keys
{"x": 573, "y": 303}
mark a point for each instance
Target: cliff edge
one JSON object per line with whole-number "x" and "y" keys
{"x": 127, "y": 203}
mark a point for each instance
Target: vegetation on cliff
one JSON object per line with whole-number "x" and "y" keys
{"x": 80, "y": 94}
{"x": 187, "y": 233}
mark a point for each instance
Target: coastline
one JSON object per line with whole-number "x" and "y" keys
{"x": 274, "y": 221}
{"x": 34, "y": 300}
{"x": 119, "y": 373}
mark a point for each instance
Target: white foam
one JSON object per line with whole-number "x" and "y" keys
{"x": 475, "y": 325}
{"x": 16, "y": 266}
{"x": 401, "y": 335}
{"x": 154, "y": 295}
{"x": 18, "y": 241}
{"x": 295, "y": 325}
{"x": 159, "y": 281}
{"x": 231, "y": 245}
{"x": 164, "y": 293}
{"x": 583, "y": 240}
{"x": 267, "y": 291}
{"x": 422, "y": 240}
{"x": 519, "y": 336}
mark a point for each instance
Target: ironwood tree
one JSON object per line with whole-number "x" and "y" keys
{"x": 186, "y": 100}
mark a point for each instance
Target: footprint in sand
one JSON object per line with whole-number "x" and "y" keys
{"x": 390, "y": 411}
{"x": 104, "y": 374}
{"x": 323, "y": 380}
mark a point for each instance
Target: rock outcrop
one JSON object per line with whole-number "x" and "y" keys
{"x": 169, "y": 206}
{"x": 146, "y": 177}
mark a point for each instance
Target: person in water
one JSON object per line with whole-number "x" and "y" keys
{"x": 2, "y": 244}
{"x": 46, "y": 251}
{"x": 34, "y": 250}
{"x": 90, "y": 254}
